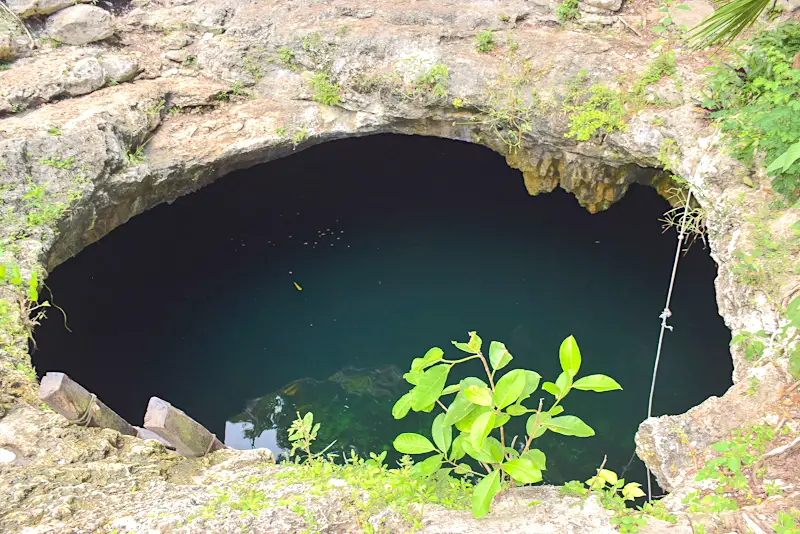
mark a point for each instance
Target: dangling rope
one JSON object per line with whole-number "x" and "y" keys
{"x": 666, "y": 314}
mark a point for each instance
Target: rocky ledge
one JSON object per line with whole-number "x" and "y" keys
{"x": 120, "y": 107}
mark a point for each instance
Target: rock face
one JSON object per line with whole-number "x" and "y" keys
{"x": 217, "y": 85}
{"x": 13, "y": 41}
{"x": 80, "y": 25}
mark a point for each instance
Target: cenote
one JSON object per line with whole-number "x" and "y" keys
{"x": 309, "y": 284}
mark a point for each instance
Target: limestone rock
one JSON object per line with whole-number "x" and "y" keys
{"x": 600, "y": 7}
{"x": 86, "y": 76}
{"x": 698, "y": 10}
{"x": 13, "y": 41}
{"x": 176, "y": 40}
{"x": 80, "y": 25}
{"x": 119, "y": 68}
{"x": 30, "y": 8}
{"x": 176, "y": 55}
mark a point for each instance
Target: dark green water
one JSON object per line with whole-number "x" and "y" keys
{"x": 399, "y": 244}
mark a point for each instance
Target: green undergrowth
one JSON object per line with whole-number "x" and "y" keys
{"x": 784, "y": 341}
{"x": 36, "y": 210}
{"x": 598, "y": 110}
{"x": 755, "y": 99}
{"x": 568, "y": 10}
{"x": 369, "y": 487}
{"x": 737, "y": 471}
{"x": 511, "y": 102}
{"x": 326, "y": 91}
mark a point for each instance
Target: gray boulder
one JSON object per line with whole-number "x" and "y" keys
{"x": 87, "y": 76}
{"x": 119, "y": 68}
{"x": 601, "y": 7}
{"x": 81, "y": 24}
{"x": 30, "y": 8}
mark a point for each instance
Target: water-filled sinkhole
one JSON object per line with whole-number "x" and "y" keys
{"x": 309, "y": 284}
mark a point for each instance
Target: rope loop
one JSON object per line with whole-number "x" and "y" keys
{"x": 86, "y": 417}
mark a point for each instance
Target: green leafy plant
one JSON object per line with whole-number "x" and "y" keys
{"x": 325, "y": 91}
{"x": 482, "y": 408}
{"x": 593, "y": 111}
{"x": 754, "y": 99}
{"x": 286, "y": 57}
{"x": 732, "y": 471}
{"x": 301, "y": 433}
{"x": 300, "y": 136}
{"x": 55, "y": 131}
{"x": 568, "y": 10}
{"x": 58, "y": 163}
{"x": 484, "y": 41}
{"x": 787, "y": 523}
{"x": 614, "y": 494}
{"x": 136, "y": 155}
{"x": 434, "y": 81}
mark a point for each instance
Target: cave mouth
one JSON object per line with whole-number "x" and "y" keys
{"x": 309, "y": 283}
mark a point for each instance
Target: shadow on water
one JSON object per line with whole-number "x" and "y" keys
{"x": 310, "y": 283}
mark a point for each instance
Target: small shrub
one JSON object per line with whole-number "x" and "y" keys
{"x": 286, "y": 57}
{"x": 481, "y": 408}
{"x": 755, "y": 99}
{"x": 568, "y": 10}
{"x": 325, "y": 91}
{"x": 593, "y": 111}
{"x": 434, "y": 80}
{"x": 484, "y": 41}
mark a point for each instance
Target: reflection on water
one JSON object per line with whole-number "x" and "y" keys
{"x": 353, "y": 406}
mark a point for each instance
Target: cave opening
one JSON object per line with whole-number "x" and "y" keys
{"x": 309, "y": 283}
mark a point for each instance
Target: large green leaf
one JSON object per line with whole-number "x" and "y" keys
{"x": 481, "y": 428}
{"x": 460, "y": 408}
{"x": 793, "y": 312}
{"x": 457, "y": 449}
{"x": 570, "y": 356}
{"x": 453, "y": 388}
{"x": 522, "y": 471}
{"x": 516, "y": 409}
{"x": 596, "y": 383}
{"x": 480, "y": 395}
{"x": 499, "y": 356}
{"x": 491, "y": 453}
{"x": 409, "y": 443}
{"x": 465, "y": 424}
{"x": 532, "y": 379}
{"x": 785, "y": 160}
{"x": 473, "y": 346}
{"x": 509, "y": 388}
{"x": 500, "y": 419}
{"x": 428, "y": 466}
{"x": 541, "y": 428}
{"x": 569, "y": 425}
{"x": 442, "y": 434}
{"x": 412, "y": 377}
{"x": 563, "y": 383}
{"x": 537, "y": 458}
{"x": 401, "y": 407}
{"x": 484, "y": 493}
{"x": 430, "y": 387}
{"x": 552, "y": 389}
{"x": 432, "y": 356}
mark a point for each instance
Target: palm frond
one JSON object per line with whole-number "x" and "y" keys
{"x": 727, "y": 22}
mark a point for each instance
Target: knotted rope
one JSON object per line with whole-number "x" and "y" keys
{"x": 86, "y": 417}
{"x": 666, "y": 314}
